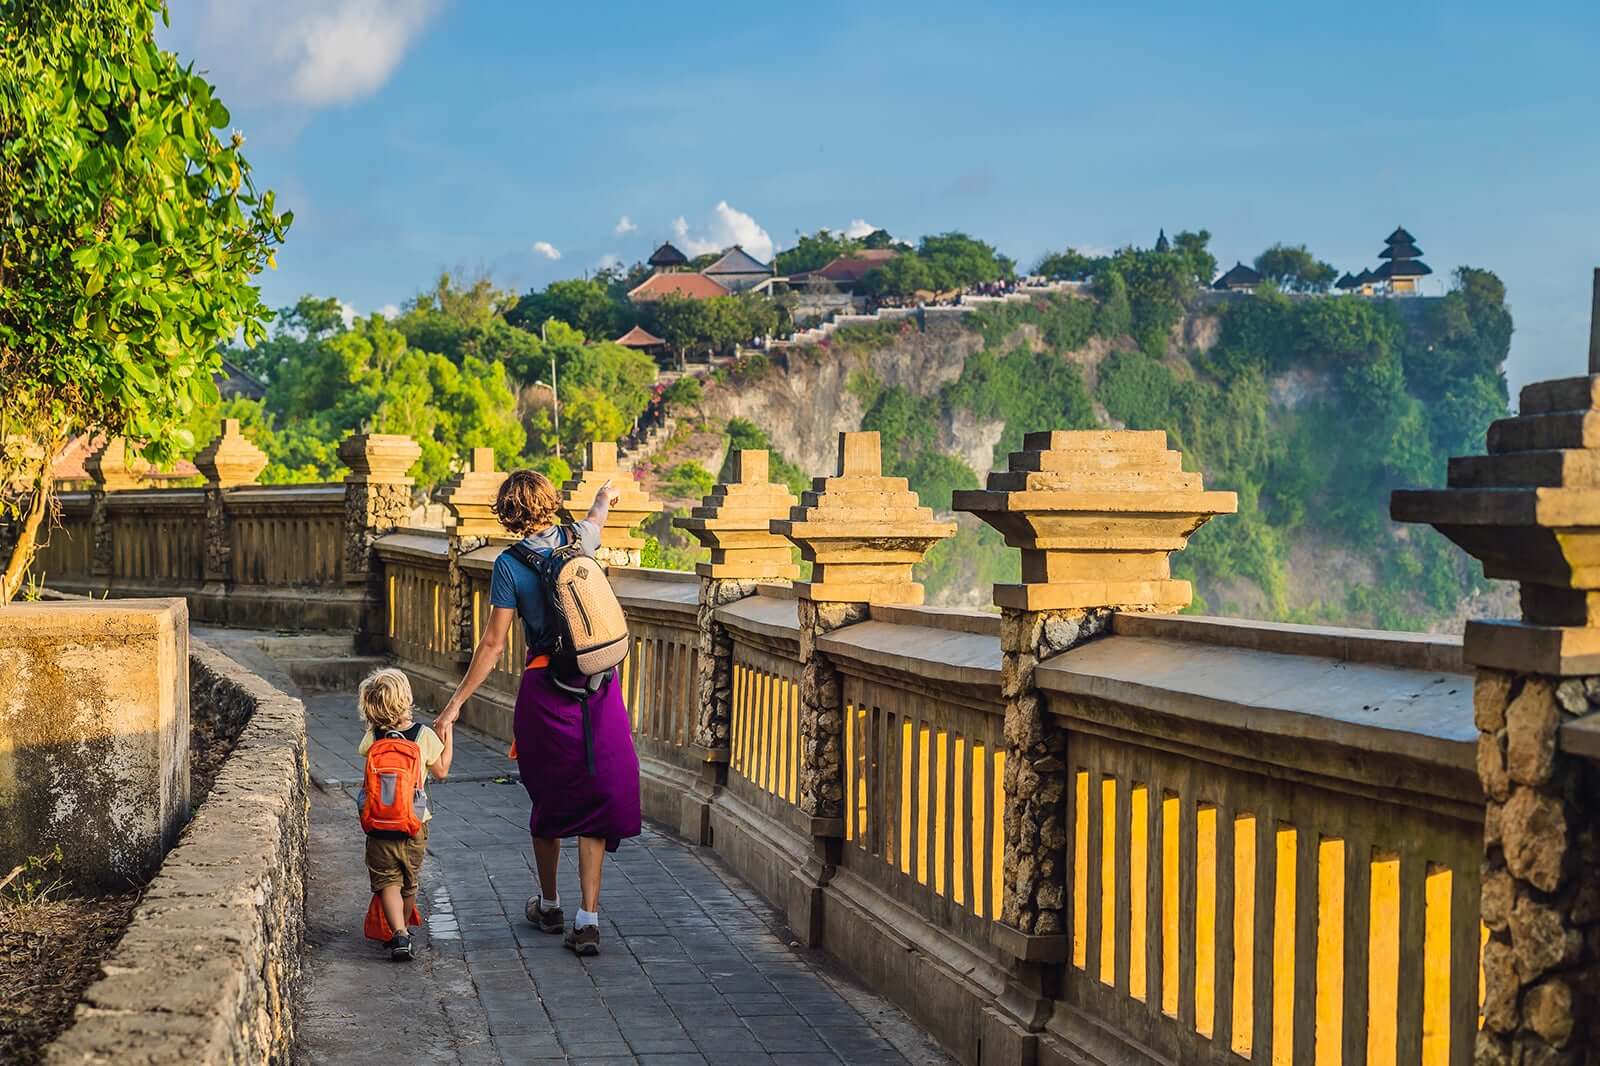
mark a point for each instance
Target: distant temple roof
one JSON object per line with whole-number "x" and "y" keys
{"x": 1240, "y": 277}
{"x": 849, "y": 269}
{"x": 1347, "y": 281}
{"x": 1401, "y": 250}
{"x": 737, "y": 261}
{"x": 1403, "y": 254}
{"x": 694, "y": 286}
{"x": 1401, "y": 268}
{"x": 639, "y": 337}
{"x": 1162, "y": 244}
{"x": 667, "y": 256}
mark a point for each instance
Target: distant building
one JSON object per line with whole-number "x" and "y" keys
{"x": 234, "y": 382}
{"x": 642, "y": 340}
{"x": 1404, "y": 264}
{"x": 667, "y": 257}
{"x": 846, "y": 272}
{"x": 677, "y": 283}
{"x": 1162, "y": 244}
{"x": 738, "y": 270}
{"x": 1347, "y": 282}
{"x": 1239, "y": 279}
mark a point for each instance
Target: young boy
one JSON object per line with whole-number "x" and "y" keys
{"x": 394, "y": 860}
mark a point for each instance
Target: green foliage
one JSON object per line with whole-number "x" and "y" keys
{"x": 814, "y": 251}
{"x": 684, "y": 392}
{"x": 1136, "y": 390}
{"x": 744, "y": 434}
{"x": 1069, "y": 265}
{"x": 131, "y": 233}
{"x": 1025, "y": 390}
{"x": 939, "y": 263}
{"x": 585, "y": 304}
{"x": 1295, "y": 269}
{"x": 687, "y": 481}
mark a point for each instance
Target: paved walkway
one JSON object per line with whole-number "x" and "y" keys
{"x": 694, "y": 967}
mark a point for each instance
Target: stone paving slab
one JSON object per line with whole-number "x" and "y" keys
{"x": 694, "y": 967}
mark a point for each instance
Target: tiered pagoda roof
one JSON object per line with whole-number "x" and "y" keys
{"x": 1404, "y": 257}
{"x": 667, "y": 256}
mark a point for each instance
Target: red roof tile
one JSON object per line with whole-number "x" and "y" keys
{"x": 694, "y": 286}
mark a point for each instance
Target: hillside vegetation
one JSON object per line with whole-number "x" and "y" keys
{"x": 1310, "y": 408}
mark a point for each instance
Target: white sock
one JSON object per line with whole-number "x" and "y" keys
{"x": 585, "y": 918}
{"x": 551, "y": 904}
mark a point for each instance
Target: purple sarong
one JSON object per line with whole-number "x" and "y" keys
{"x": 568, "y": 800}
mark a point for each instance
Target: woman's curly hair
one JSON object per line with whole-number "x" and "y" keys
{"x": 527, "y": 502}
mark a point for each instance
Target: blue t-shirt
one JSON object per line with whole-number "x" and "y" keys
{"x": 516, "y": 586}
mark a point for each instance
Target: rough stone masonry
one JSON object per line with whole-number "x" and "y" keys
{"x": 1541, "y": 872}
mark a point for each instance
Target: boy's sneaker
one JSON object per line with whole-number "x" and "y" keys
{"x": 584, "y": 941}
{"x": 400, "y": 949}
{"x": 546, "y": 921}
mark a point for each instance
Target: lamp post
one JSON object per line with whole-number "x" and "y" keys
{"x": 555, "y": 397}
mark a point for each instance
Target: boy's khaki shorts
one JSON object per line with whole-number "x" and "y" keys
{"x": 396, "y": 861}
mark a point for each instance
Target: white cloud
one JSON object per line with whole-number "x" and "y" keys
{"x": 858, "y": 228}
{"x": 389, "y": 310}
{"x": 609, "y": 260}
{"x": 625, "y": 226}
{"x": 311, "y": 52}
{"x": 546, "y": 249}
{"x": 348, "y": 313}
{"x": 728, "y": 226}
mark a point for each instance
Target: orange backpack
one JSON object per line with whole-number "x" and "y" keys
{"x": 392, "y": 799}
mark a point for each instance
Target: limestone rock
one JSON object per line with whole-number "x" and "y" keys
{"x": 1531, "y": 724}
{"x": 1496, "y": 899}
{"x": 1490, "y": 694}
{"x": 1573, "y": 696}
{"x": 1540, "y": 940}
{"x": 1492, "y": 766}
{"x": 1500, "y": 987}
{"x": 1533, "y": 831}
{"x": 1547, "y": 1010}
{"x": 1490, "y": 1050}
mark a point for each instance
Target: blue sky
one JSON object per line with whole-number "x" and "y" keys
{"x": 413, "y": 136}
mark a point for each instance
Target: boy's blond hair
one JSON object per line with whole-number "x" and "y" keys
{"x": 385, "y": 698}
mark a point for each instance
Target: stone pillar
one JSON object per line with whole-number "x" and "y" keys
{"x": 862, "y": 532}
{"x": 619, "y": 546}
{"x": 469, "y": 497}
{"x": 109, "y": 470}
{"x": 1530, "y": 511}
{"x": 377, "y": 500}
{"x": 734, "y": 521}
{"x": 94, "y": 735}
{"x": 1097, "y": 514}
{"x": 226, "y": 463}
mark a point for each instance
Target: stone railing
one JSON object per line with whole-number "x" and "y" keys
{"x": 242, "y": 554}
{"x": 1079, "y": 829}
{"x": 209, "y": 969}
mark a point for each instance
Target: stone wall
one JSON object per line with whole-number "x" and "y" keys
{"x": 209, "y": 970}
{"x": 1541, "y": 875}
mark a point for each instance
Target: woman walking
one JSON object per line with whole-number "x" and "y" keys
{"x": 598, "y": 801}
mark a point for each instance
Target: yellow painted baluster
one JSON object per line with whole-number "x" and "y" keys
{"x": 1205, "y": 920}
{"x": 1138, "y": 889}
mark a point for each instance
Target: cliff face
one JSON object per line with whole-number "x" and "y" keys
{"x": 804, "y": 400}
{"x": 1313, "y": 542}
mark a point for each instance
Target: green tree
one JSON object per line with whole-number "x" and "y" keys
{"x": 131, "y": 234}
{"x": 1193, "y": 247}
{"x": 814, "y": 251}
{"x": 1295, "y": 269}
{"x": 1069, "y": 265}
{"x": 678, "y": 320}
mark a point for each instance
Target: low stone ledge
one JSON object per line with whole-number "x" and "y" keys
{"x": 209, "y": 969}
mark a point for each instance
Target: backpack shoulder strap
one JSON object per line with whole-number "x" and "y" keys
{"x": 539, "y": 564}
